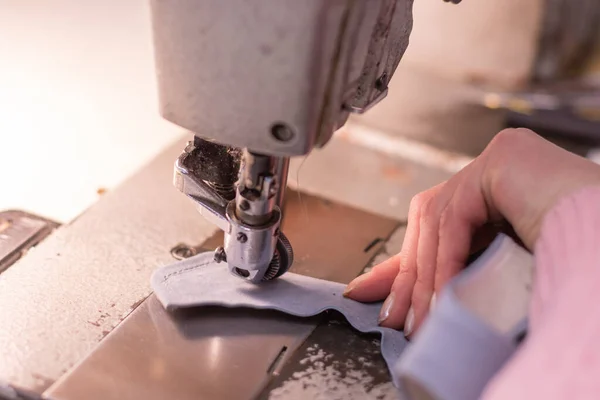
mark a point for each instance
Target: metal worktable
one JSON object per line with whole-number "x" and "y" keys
{"x": 77, "y": 321}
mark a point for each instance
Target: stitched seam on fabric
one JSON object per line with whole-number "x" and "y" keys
{"x": 182, "y": 271}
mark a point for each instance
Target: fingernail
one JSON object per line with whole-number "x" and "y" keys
{"x": 353, "y": 285}
{"x": 386, "y": 308}
{"x": 348, "y": 289}
{"x": 432, "y": 302}
{"x": 409, "y": 322}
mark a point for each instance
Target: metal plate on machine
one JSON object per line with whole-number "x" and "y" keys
{"x": 222, "y": 353}
{"x": 19, "y": 231}
{"x": 335, "y": 362}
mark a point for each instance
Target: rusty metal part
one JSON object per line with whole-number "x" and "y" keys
{"x": 19, "y": 232}
{"x": 220, "y": 353}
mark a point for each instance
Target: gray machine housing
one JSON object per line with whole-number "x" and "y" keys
{"x": 238, "y": 72}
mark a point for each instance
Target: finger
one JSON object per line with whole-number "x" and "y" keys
{"x": 376, "y": 284}
{"x": 465, "y": 213}
{"x": 426, "y": 257}
{"x": 394, "y": 309}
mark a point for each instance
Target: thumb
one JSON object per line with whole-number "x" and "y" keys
{"x": 376, "y": 284}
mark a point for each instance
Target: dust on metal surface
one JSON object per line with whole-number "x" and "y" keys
{"x": 224, "y": 353}
{"x": 335, "y": 362}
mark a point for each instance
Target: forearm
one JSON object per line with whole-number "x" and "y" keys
{"x": 561, "y": 356}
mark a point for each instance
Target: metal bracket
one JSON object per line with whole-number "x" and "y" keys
{"x": 210, "y": 204}
{"x": 20, "y": 231}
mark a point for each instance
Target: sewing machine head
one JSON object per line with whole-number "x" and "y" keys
{"x": 257, "y": 83}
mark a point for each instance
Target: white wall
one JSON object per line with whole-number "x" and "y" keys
{"x": 78, "y": 106}
{"x": 477, "y": 41}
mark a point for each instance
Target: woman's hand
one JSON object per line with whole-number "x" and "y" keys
{"x": 517, "y": 179}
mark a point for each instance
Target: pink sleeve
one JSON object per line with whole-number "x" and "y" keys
{"x": 560, "y": 358}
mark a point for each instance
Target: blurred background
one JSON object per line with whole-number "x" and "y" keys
{"x": 78, "y": 104}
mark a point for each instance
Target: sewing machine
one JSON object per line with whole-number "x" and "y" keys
{"x": 258, "y": 86}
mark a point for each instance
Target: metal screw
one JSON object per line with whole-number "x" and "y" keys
{"x": 220, "y": 255}
{"x": 241, "y": 237}
{"x": 282, "y": 132}
{"x": 182, "y": 251}
{"x": 244, "y": 205}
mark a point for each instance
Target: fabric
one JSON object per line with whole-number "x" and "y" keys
{"x": 472, "y": 331}
{"x": 453, "y": 357}
{"x": 199, "y": 281}
{"x": 560, "y": 358}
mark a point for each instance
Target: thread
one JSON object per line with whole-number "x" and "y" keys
{"x": 303, "y": 205}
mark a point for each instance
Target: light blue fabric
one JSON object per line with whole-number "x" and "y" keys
{"x": 199, "y": 281}
{"x": 455, "y": 354}
{"x": 452, "y": 358}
